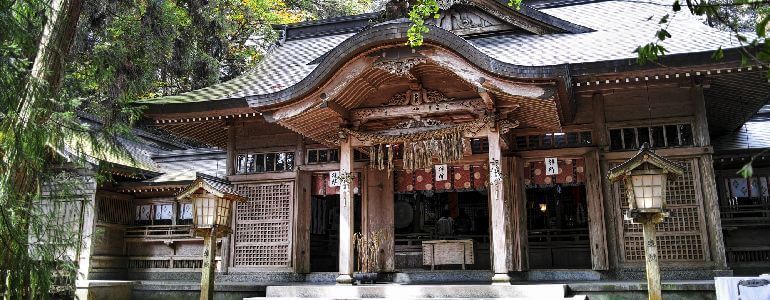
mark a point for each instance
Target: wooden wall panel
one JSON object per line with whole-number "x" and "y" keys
{"x": 585, "y": 111}
{"x": 249, "y": 139}
{"x": 632, "y": 104}
{"x": 262, "y": 237}
{"x": 682, "y": 237}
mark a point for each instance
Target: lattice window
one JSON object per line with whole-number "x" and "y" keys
{"x": 263, "y": 226}
{"x": 679, "y": 236}
{"x": 111, "y": 210}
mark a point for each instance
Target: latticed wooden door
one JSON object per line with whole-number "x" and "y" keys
{"x": 262, "y": 237}
{"x": 682, "y": 236}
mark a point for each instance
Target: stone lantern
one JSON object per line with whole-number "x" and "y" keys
{"x": 212, "y": 199}
{"x": 645, "y": 177}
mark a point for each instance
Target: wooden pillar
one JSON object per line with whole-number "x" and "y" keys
{"x": 302, "y": 215}
{"x": 702, "y": 137}
{"x": 518, "y": 199}
{"x": 230, "y": 163}
{"x": 708, "y": 177}
{"x": 508, "y": 179}
{"x": 207, "y": 274}
{"x": 595, "y": 202}
{"x": 497, "y": 210}
{"x": 599, "y": 129}
{"x": 302, "y": 223}
{"x": 346, "y": 213}
{"x": 379, "y": 214}
{"x": 89, "y": 226}
{"x": 711, "y": 208}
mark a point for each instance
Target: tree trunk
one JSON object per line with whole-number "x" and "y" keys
{"x": 48, "y": 68}
{"x": 20, "y": 177}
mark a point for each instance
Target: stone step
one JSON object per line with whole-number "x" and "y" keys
{"x": 578, "y": 297}
{"x": 535, "y": 291}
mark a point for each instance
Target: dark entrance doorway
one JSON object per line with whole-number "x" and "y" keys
{"x": 418, "y": 218}
{"x": 557, "y": 223}
{"x": 324, "y": 231}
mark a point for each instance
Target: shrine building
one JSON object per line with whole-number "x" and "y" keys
{"x": 480, "y": 156}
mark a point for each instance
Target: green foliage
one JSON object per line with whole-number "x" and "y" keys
{"x": 736, "y": 16}
{"x": 123, "y": 50}
{"x": 746, "y": 171}
{"x": 424, "y": 9}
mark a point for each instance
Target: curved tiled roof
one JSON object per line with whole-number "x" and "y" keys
{"x": 754, "y": 134}
{"x": 620, "y": 27}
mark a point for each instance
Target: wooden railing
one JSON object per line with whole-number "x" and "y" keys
{"x": 741, "y": 216}
{"x": 167, "y": 262}
{"x": 154, "y": 232}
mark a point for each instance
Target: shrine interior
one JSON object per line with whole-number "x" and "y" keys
{"x": 417, "y": 219}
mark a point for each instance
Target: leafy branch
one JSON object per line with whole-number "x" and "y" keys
{"x": 718, "y": 15}
{"x": 422, "y": 10}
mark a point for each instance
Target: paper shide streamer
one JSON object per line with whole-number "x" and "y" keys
{"x": 421, "y": 146}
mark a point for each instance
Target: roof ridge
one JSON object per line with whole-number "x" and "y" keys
{"x": 211, "y": 177}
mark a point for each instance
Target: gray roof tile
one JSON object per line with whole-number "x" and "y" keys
{"x": 620, "y": 27}
{"x": 183, "y": 165}
{"x": 755, "y": 134}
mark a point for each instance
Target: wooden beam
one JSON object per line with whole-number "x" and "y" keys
{"x": 270, "y": 176}
{"x": 562, "y": 152}
{"x": 671, "y": 152}
{"x": 328, "y": 167}
{"x": 338, "y": 109}
{"x": 352, "y": 70}
{"x": 475, "y": 106}
{"x": 471, "y": 74}
{"x": 487, "y": 97}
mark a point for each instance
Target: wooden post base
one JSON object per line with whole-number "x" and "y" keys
{"x": 651, "y": 257}
{"x": 501, "y": 279}
{"x": 207, "y": 275}
{"x": 344, "y": 279}
{"x": 648, "y": 221}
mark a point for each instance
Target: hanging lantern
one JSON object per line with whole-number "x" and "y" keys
{"x": 645, "y": 177}
{"x": 212, "y": 199}
{"x": 210, "y": 211}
